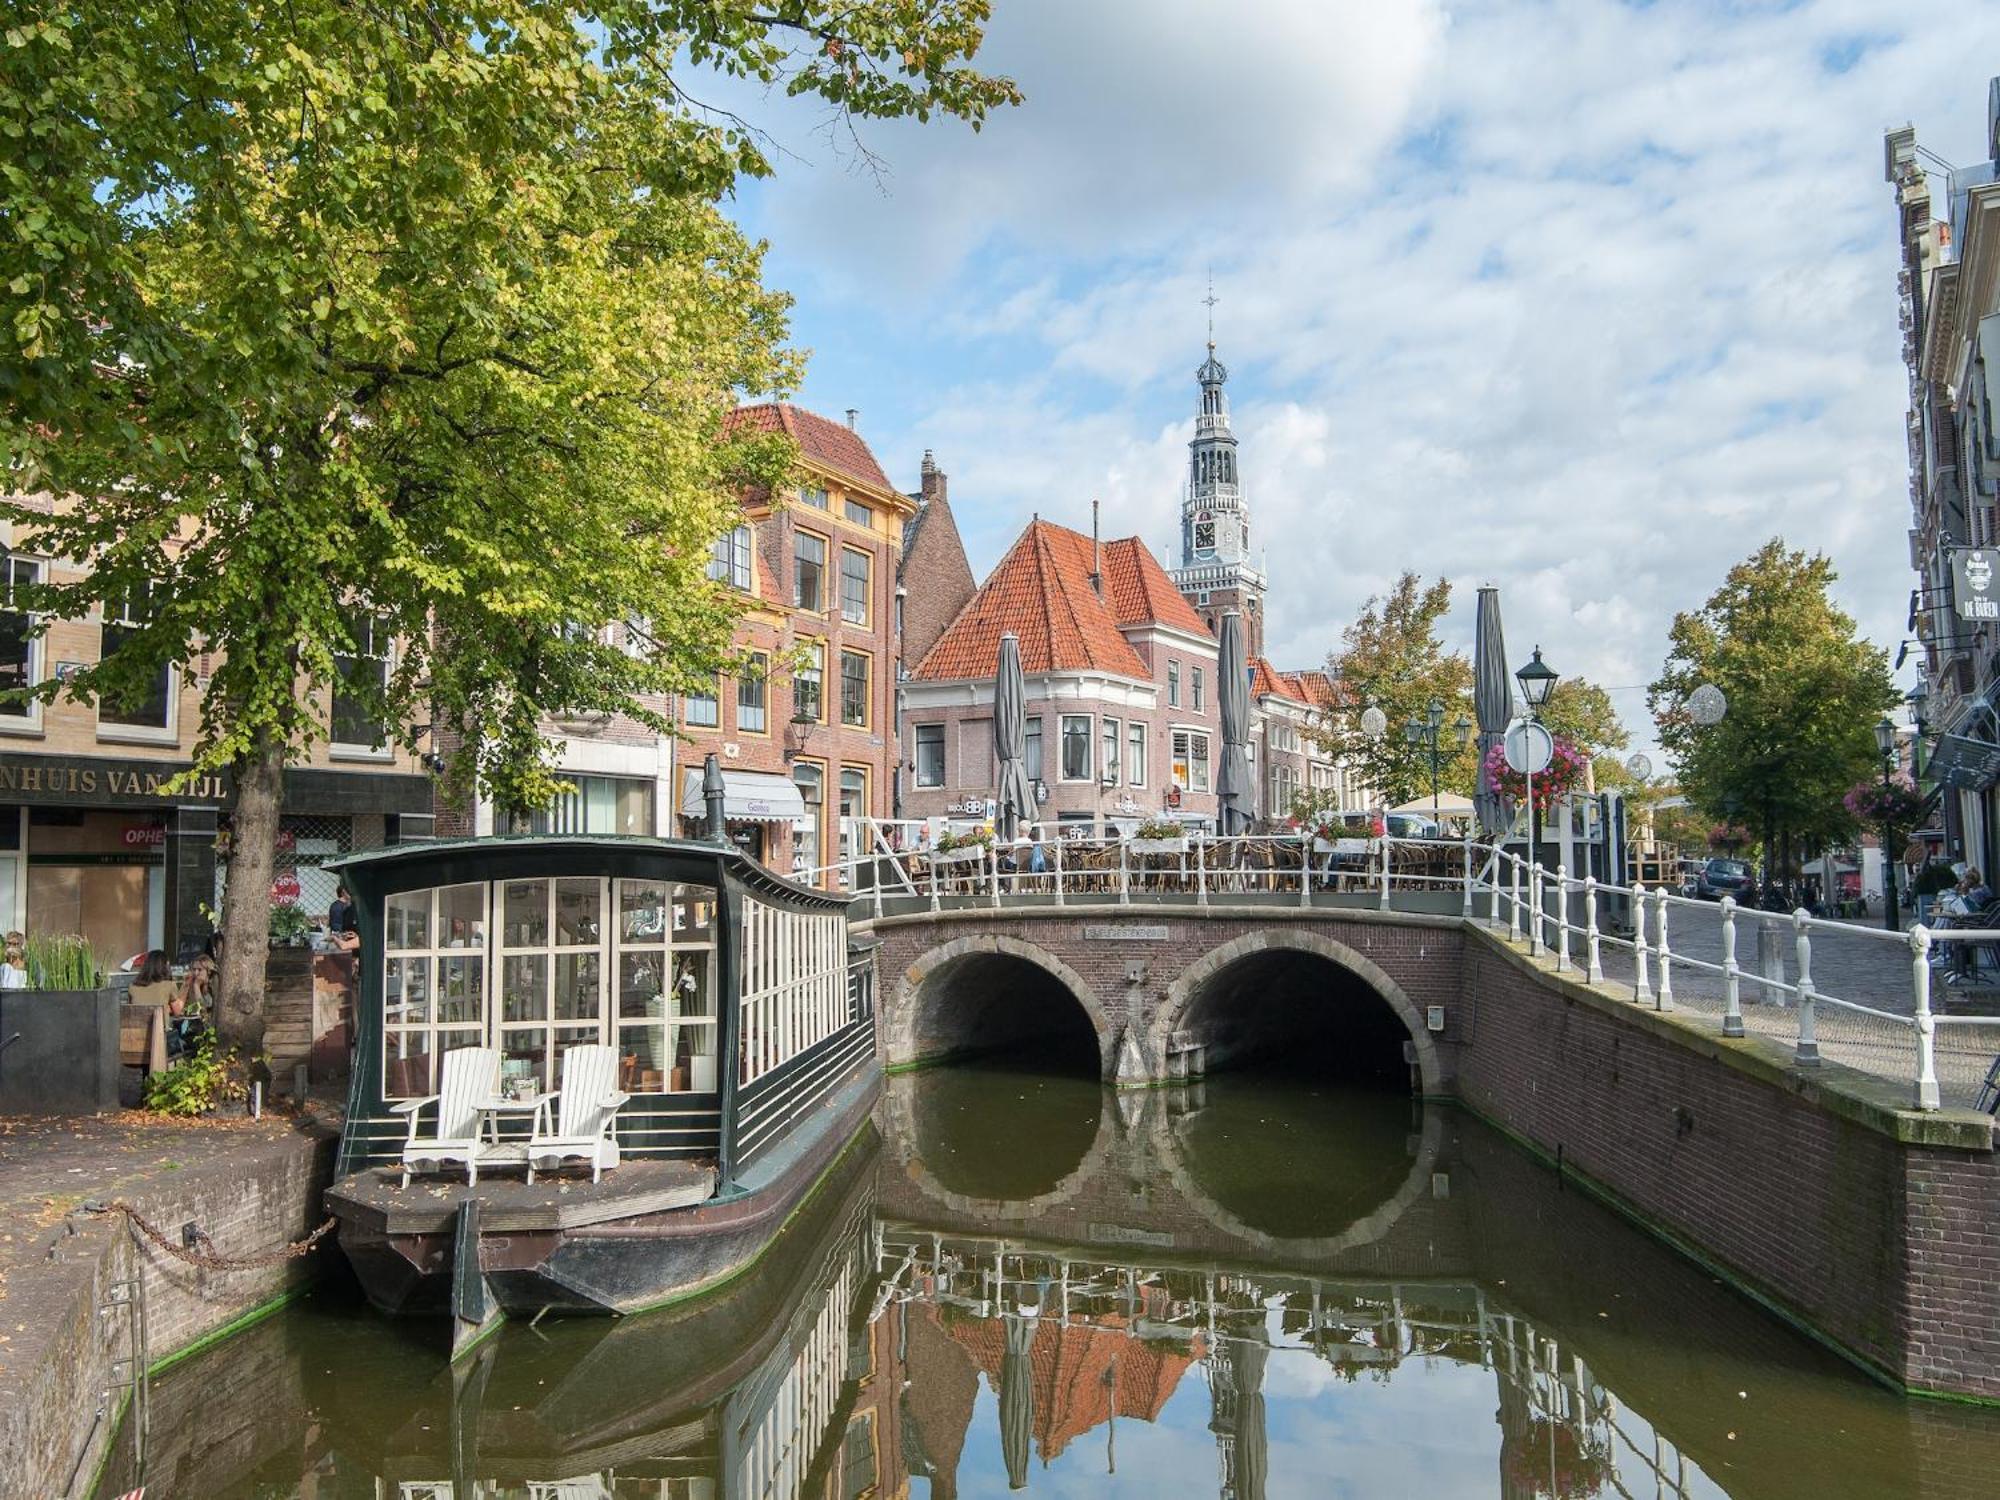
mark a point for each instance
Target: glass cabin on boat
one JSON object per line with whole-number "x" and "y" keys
{"x": 727, "y": 992}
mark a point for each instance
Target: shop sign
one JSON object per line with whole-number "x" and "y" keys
{"x": 1173, "y": 796}
{"x": 1975, "y": 580}
{"x": 972, "y": 807}
{"x": 144, "y": 834}
{"x": 285, "y": 888}
{"x": 98, "y": 781}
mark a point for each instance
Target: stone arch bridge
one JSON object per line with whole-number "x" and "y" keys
{"x": 1129, "y": 990}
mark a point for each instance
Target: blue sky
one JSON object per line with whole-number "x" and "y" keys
{"x": 1579, "y": 298}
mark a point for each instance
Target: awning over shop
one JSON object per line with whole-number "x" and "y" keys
{"x": 747, "y": 797}
{"x": 1968, "y": 764}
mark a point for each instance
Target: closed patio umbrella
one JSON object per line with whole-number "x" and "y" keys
{"x": 1015, "y": 797}
{"x": 1253, "y": 1442}
{"x": 1017, "y": 1399}
{"x": 1234, "y": 795}
{"x": 1493, "y": 704}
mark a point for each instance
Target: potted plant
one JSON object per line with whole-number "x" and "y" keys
{"x": 62, "y": 1030}
{"x": 964, "y": 848}
{"x": 1158, "y": 836}
{"x": 289, "y": 924}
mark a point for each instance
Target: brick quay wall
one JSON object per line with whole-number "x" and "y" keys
{"x": 250, "y": 1187}
{"x": 1816, "y": 1191}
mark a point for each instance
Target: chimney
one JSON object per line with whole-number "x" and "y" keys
{"x": 931, "y": 486}
{"x": 853, "y": 415}
{"x": 1096, "y": 554}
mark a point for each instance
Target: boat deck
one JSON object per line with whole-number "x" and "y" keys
{"x": 374, "y": 1198}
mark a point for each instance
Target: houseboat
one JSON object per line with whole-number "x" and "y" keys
{"x": 740, "y": 1026}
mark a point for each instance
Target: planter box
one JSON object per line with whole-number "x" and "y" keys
{"x": 1157, "y": 846}
{"x": 1343, "y": 846}
{"x": 960, "y": 857}
{"x": 66, "y": 1059}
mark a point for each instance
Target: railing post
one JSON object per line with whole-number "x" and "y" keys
{"x": 1493, "y": 890}
{"x": 1201, "y": 868}
{"x": 1663, "y": 983}
{"x": 1305, "y": 866}
{"x": 1593, "y": 952}
{"x": 1808, "y": 1053}
{"x": 1465, "y": 907}
{"x": 876, "y": 865}
{"x": 1562, "y": 919}
{"x": 1060, "y": 898}
{"x": 1124, "y": 873}
{"x": 1920, "y": 978}
{"x": 993, "y": 856}
{"x": 934, "y": 877}
{"x": 1642, "y": 980}
{"x": 1384, "y": 901}
{"x": 1732, "y": 976}
{"x": 1534, "y": 876}
{"x": 1513, "y": 897}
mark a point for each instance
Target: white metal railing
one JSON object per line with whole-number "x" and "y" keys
{"x": 1866, "y": 1027}
{"x": 1868, "y": 999}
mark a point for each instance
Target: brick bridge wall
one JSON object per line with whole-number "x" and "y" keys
{"x": 1875, "y": 1228}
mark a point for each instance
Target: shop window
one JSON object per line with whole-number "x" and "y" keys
{"x": 361, "y": 676}
{"x": 809, "y": 572}
{"x": 1191, "y": 760}
{"x": 751, "y": 690}
{"x": 598, "y": 804}
{"x": 930, "y": 753}
{"x": 854, "y": 689}
{"x": 854, "y": 574}
{"x": 811, "y": 782}
{"x": 17, "y": 642}
{"x": 147, "y": 707}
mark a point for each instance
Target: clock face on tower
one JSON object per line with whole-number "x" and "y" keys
{"x": 1204, "y": 536}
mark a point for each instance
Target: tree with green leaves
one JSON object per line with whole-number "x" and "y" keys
{"x": 418, "y": 317}
{"x": 1804, "y": 694}
{"x": 1392, "y": 658}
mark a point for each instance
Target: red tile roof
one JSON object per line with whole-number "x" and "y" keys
{"x": 1314, "y": 687}
{"x": 1267, "y": 682}
{"x": 1141, "y": 592}
{"x": 1041, "y": 591}
{"x": 832, "y": 445}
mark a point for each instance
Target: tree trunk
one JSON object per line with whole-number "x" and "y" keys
{"x": 246, "y": 903}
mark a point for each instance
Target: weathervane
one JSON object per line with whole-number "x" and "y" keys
{"x": 1209, "y": 302}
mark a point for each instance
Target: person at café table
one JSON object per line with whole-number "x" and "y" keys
{"x": 343, "y": 928}
{"x": 154, "y": 983}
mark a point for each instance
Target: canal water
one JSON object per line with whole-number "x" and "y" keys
{"x": 1020, "y": 1282}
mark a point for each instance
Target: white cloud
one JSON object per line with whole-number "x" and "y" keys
{"x": 1579, "y": 298}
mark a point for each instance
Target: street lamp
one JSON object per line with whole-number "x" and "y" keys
{"x": 1920, "y": 702}
{"x": 1885, "y": 742}
{"x": 1427, "y": 734}
{"x": 1538, "y": 680}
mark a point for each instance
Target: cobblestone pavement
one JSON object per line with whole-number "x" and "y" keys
{"x": 1860, "y": 965}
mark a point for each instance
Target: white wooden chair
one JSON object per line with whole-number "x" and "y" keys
{"x": 587, "y": 1107}
{"x": 470, "y": 1077}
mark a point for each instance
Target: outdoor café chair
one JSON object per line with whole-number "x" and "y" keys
{"x": 470, "y": 1077}
{"x": 587, "y": 1107}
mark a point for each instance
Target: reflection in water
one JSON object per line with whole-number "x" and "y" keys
{"x": 1047, "y": 1122}
{"x": 1481, "y": 1334}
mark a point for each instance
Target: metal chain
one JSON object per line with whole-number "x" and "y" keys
{"x": 208, "y": 1260}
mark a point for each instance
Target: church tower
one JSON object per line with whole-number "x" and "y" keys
{"x": 1216, "y": 573}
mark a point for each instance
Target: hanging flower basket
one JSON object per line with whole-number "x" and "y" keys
{"x": 1563, "y": 776}
{"x": 1874, "y": 806}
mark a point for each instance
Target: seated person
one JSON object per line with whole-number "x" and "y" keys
{"x": 155, "y": 982}
{"x": 14, "y": 968}
{"x": 187, "y": 1012}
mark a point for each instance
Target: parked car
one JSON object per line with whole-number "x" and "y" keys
{"x": 1724, "y": 877}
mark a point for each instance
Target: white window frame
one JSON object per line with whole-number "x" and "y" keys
{"x": 343, "y": 749}
{"x": 731, "y": 555}
{"x": 1137, "y": 734}
{"x": 1110, "y": 749}
{"x": 1089, "y": 748}
{"x": 111, "y": 730}
{"x": 712, "y": 699}
{"x": 29, "y": 720}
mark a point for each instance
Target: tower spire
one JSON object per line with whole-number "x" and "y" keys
{"x": 1209, "y": 302}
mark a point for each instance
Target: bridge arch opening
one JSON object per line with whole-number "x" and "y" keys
{"x": 1304, "y": 1008}
{"x": 999, "y": 1000}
